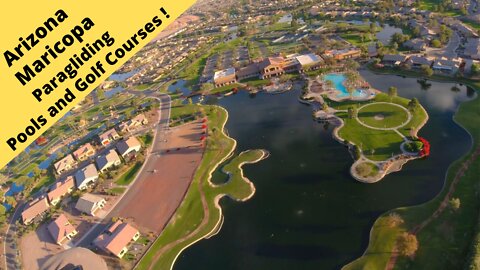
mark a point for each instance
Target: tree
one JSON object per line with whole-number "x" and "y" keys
{"x": 407, "y": 244}
{"x": 394, "y": 219}
{"x": 100, "y": 93}
{"x": 352, "y": 64}
{"x": 37, "y": 173}
{"x": 206, "y": 87}
{"x": 352, "y": 112}
{"x": 190, "y": 102}
{"x": 427, "y": 70}
{"x": 392, "y": 91}
{"x": 413, "y": 104}
{"x": 454, "y": 204}
{"x": 476, "y": 69}
{"x": 324, "y": 106}
{"x": 436, "y": 43}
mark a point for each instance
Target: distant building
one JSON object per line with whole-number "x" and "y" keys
{"x": 61, "y": 230}
{"x": 133, "y": 123}
{"x": 472, "y": 48}
{"x": 309, "y": 62}
{"x": 128, "y": 146}
{"x": 107, "y": 137}
{"x": 224, "y": 77}
{"x": 35, "y": 209}
{"x": 415, "y": 44}
{"x": 393, "y": 60}
{"x": 110, "y": 159}
{"x": 60, "y": 189}
{"x": 86, "y": 177}
{"x": 271, "y": 67}
{"x": 418, "y": 62}
{"x": 446, "y": 66}
{"x": 117, "y": 237}
{"x": 250, "y": 71}
{"x": 65, "y": 164}
{"x": 84, "y": 152}
{"x": 90, "y": 204}
{"x": 350, "y": 53}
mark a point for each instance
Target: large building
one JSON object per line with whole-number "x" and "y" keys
{"x": 110, "y": 159}
{"x": 271, "y": 67}
{"x": 84, "y": 152}
{"x": 350, "y": 53}
{"x": 224, "y": 77}
{"x": 128, "y": 146}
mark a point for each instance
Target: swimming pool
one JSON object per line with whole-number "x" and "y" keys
{"x": 338, "y": 80}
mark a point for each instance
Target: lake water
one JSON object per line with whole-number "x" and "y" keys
{"x": 308, "y": 212}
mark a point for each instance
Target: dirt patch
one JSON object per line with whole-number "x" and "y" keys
{"x": 178, "y": 24}
{"x": 152, "y": 201}
{"x": 37, "y": 247}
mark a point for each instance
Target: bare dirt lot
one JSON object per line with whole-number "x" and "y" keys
{"x": 178, "y": 24}
{"x": 151, "y": 202}
{"x": 37, "y": 247}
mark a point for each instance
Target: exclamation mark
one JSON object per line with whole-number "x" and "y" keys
{"x": 164, "y": 12}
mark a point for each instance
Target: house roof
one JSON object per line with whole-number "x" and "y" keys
{"x": 68, "y": 160}
{"x": 309, "y": 59}
{"x": 271, "y": 61}
{"x": 84, "y": 149}
{"x": 248, "y": 70}
{"x": 420, "y": 60}
{"x": 60, "y": 228}
{"x": 35, "y": 208}
{"x": 104, "y": 160}
{"x": 85, "y": 173}
{"x": 125, "y": 145}
{"x": 394, "y": 57}
{"x": 224, "y": 73}
{"x": 108, "y": 134}
{"x": 60, "y": 188}
{"x": 121, "y": 234}
{"x": 87, "y": 202}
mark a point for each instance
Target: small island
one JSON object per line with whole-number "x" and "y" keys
{"x": 379, "y": 129}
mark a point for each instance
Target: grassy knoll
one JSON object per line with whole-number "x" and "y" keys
{"x": 182, "y": 112}
{"x": 445, "y": 242}
{"x": 190, "y": 222}
{"x": 377, "y": 145}
{"x": 129, "y": 175}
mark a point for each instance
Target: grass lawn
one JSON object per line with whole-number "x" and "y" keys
{"x": 186, "y": 221}
{"x": 129, "y": 175}
{"x": 116, "y": 190}
{"x": 377, "y": 145}
{"x": 446, "y": 242}
{"x": 392, "y": 116}
{"x": 146, "y": 139}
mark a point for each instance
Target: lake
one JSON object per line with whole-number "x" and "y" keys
{"x": 308, "y": 212}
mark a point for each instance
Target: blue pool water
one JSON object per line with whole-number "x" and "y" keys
{"x": 14, "y": 189}
{"x": 338, "y": 80}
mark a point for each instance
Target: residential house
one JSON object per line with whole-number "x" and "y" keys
{"x": 349, "y": 53}
{"x": 465, "y": 30}
{"x": 372, "y": 50}
{"x": 415, "y": 44}
{"x": 65, "y": 164}
{"x": 472, "y": 48}
{"x": 84, "y": 152}
{"x": 104, "y": 162}
{"x": 90, "y": 204}
{"x": 133, "y": 123}
{"x": 224, "y": 77}
{"x": 61, "y": 230}
{"x": 60, "y": 189}
{"x": 86, "y": 177}
{"x": 117, "y": 237}
{"x": 128, "y": 146}
{"x": 393, "y": 60}
{"x": 418, "y": 62}
{"x": 108, "y": 136}
{"x": 446, "y": 66}
{"x": 35, "y": 209}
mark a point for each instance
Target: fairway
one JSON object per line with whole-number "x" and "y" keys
{"x": 383, "y": 115}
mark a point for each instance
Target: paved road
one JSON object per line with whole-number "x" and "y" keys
{"x": 448, "y": 51}
{"x": 10, "y": 245}
{"x": 161, "y": 129}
